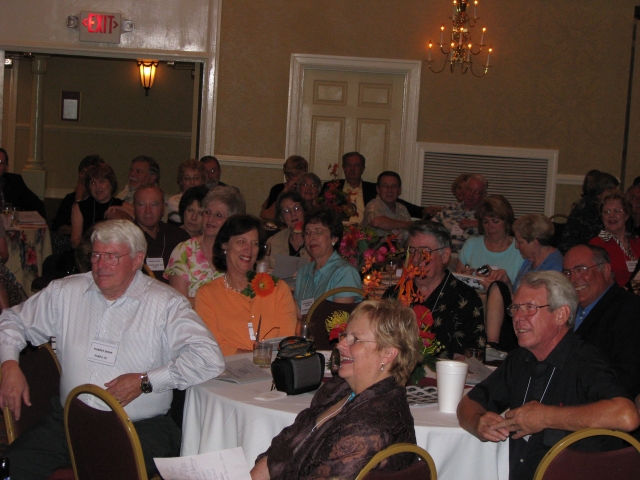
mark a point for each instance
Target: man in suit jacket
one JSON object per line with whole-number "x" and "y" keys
{"x": 13, "y": 189}
{"x": 608, "y": 316}
{"x": 353, "y": 165}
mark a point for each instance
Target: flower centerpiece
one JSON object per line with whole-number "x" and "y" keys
{"x": 409, "y": 294}
{"x": 335, "y": 198}
{"x": 260, "y": 284}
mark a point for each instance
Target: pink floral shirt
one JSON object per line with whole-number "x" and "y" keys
{"x": 189, "y": 261}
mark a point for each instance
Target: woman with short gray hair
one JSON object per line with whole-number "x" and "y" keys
{"x": 191, "y": 263}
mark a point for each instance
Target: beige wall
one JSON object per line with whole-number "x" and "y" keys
{"x": 559, "y": 76}
{"x": 117, "y": 121}
{"x": 558, "y": 81}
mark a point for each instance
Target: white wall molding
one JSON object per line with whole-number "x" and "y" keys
{"x": 109, "y": 131}
{"x": 566, "y": 179}
{"x": 411, "y": 69}
{"x": 253, "y": 162}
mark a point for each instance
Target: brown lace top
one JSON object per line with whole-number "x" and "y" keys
{"x": 342, "y": 446}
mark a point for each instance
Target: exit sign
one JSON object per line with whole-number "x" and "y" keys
{"x": 100, "y": 27}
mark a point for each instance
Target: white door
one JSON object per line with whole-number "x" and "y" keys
{"x": 343, "y": 111}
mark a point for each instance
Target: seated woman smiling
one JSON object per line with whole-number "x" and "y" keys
{"x": 233, "y": 305}
{"x": 361, "y": 411}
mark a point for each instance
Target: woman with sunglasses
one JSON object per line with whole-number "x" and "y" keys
{"x": 290, "y": 241}
{"x": 191, "y": 263}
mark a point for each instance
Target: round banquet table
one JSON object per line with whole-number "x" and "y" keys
{"x": 220, "y": 415}
{"x": 28, "y": 246}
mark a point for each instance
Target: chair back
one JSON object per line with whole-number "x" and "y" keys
{"x": 322, "y": 309}
{"x": 424, "y": 468}
{"x": 115, "y": 452}
{"x": 558, "y": 227}
{"x": 147, "y": 271}
{"x": 42, "y": 371}
{"x": 563, "y": 463}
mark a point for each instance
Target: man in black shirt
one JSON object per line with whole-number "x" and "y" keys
{"x": 554, "y": 384}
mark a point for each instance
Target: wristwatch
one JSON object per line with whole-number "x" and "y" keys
{"x": 145, "y": 384}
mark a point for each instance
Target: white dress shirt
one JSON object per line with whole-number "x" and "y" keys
{"x": 154, "y": 327}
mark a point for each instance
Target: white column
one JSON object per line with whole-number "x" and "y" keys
{"x": 33, "y": 172}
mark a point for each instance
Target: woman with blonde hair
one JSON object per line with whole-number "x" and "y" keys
{"x": 359, "y": 412}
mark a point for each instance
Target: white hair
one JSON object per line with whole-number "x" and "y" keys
{"x": 120, "y": 231}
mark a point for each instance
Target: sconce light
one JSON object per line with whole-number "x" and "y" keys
{"x": 147, "y": 73}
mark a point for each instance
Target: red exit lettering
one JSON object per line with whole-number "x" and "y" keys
{"x": 98, "y": 23}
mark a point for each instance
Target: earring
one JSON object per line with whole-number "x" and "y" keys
{"x": 382, "y": 367}
{"x": 225, "y": 252}
{"x": 333, "y": 244}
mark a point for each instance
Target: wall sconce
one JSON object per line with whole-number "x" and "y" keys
{"x": 147, "y": 73}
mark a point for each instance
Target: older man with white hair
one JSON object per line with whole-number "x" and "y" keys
{"x": 554, "y": 384}
{"x": 157, "y": 341}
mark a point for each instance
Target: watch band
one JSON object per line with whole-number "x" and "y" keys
{"x": 145, "y": 384}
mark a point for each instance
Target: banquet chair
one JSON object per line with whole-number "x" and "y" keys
{"x": 42, "y": 372}
{"x": 322, "y": 309}
{"x": 563, "y": 463}
{"x": 147, "y": 271}
{"x": 424, "y": 468}
{"x": 116, "y": 452}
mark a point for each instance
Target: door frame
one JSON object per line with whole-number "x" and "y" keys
{"x": 411, "y": 69}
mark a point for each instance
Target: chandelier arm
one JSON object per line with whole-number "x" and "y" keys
{"x": 486, "y": 69}
{"x": 437, "y": 71}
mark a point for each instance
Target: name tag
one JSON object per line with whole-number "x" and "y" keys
{"x": 252, "y": 334}
{"x": 631, "y": 265}
{"x": 155, "y": 264}
{"x": 305, "y": 305}
{"x": 103, "y": 352}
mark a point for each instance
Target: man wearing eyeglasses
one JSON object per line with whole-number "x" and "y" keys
{"x": 554, "y": 384}
{"x": 115, "y": 328}
{"x": 608, "y": 315}
{"x": 161, "y": 237}
{"x": 458, "y": 319}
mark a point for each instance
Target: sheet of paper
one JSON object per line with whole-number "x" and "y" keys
{"x": 223, "y": 465}
{"x": 244, "y": 371}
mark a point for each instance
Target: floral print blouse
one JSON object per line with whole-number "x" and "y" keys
{"x": 189, "y": 261}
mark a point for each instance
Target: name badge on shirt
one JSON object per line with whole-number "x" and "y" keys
{"x": 631, "y": 265}
{"x": 103, "y": 352}
{"x": 252, "y": 334}
{"x": 155, "y": 264}
{"x": 305, "y": 305}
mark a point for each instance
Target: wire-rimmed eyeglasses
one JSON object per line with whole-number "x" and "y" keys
{"x": 527, "y": 309}
{"x": 109, "y": 258}
{"x": 421, "y": 250}
{"x": 352, "y": 339}
{"x": 578, "y": 271}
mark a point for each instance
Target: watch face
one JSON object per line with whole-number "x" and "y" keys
{"x": 145, "y": 385}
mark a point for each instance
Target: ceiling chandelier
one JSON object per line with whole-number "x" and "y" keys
{"x": 460, "y": 49}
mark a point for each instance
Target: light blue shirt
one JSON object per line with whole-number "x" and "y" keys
{"x": 475, "y": 254}
{"x": 337, "y": 272}
{"x": 552, "y": 262}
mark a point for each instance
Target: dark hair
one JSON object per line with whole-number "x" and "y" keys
{"x": 293, "y": 195}
{"x": 154, "y": 168}
{"x": 234, "y": 226}
{"x": 596, "y": 182}
{"x": 2, "y": 150}
{"x": 328, "y": 218}
{"x": 206, "y": 158}
{"x": 388, "y": 173}
{"x": 495, "y": 206}
{"x": 433, "y": 229}
{"x": 353, "y": 154}
{"x": 89, "y": 161}
{"x": 600, "y": 255}
{"x": 190, "y": 195}
{"x": 99, "y": 172}
{"x": 295, "y": 164}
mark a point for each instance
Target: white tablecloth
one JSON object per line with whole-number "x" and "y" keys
{"x": 219, "y": 415}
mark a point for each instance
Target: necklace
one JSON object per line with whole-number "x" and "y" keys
{"x": 545, "y": 388}
{"x": 349, "y": 398}
{"x": 440, "y": 293}
{"x": 226, "y": 284}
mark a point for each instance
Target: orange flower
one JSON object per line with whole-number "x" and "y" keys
{"x": 262, "y": 284}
